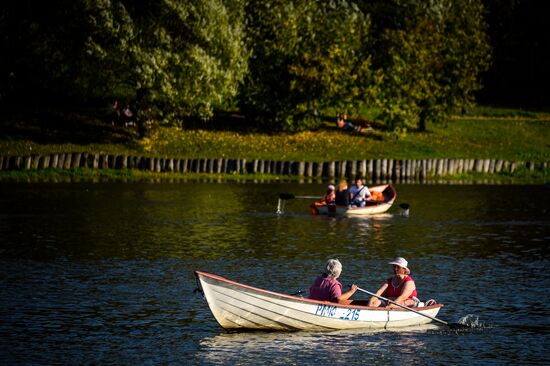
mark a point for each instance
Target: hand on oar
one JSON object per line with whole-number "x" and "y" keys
{"x": 450, "y": 325}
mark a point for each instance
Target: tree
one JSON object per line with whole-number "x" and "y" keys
{"x": 407, "y": 82}
{"x": 304, "y": 59}
{"x": 178, "y": 57}
{"x": 427, "y": 57}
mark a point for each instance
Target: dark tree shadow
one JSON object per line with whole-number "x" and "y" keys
{"x": 77, "y": 127}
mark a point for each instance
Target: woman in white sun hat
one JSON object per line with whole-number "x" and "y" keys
{"x": 399, "y": 288}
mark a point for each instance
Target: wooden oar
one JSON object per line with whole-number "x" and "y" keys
{"x": 450, "y": 325}
{"x": 289, "y": 196}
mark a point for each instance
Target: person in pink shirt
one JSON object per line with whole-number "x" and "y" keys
{"x": 327, "y": 288}
{"x": 399, "y": 288}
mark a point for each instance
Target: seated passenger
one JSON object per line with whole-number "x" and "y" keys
{"x": 359, "y": 193}
{"x": 327, "y": 288}
{"x": 399, "y": 288}
{"x": 330, "y": 196}
{"x": 342, "y": 194}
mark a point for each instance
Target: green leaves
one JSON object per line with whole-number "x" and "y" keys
{"x": 306, "y": 56}
{"x": 283, "y": 62}
{"x": 186, "y": 57}
{"x": 428, "y": 58}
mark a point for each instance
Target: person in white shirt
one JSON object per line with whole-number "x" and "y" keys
{"x": 359, "y": 193}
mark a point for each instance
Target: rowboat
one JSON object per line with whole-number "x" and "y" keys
{"x": 382, "y": 198}
{"x": 236, "y": 306}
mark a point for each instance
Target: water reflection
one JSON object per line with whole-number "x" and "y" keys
{"x": 334, "y": 346}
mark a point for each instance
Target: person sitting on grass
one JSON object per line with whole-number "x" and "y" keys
{"x": 344, "y": 123}
{"x": 348, "y": 126}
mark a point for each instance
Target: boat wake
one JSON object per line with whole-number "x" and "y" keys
{"x": 471, "y": 321}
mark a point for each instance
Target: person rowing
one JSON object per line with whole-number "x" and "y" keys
{"x": 400, "y": 288}
{"x": 327, "y": 288}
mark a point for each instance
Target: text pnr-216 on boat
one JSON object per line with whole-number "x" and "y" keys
{"x": 236, "y": 306}
{"x": 382, "y": 198}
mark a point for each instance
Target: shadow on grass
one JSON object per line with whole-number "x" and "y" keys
{"x": 53, "y": 127}
{"x": 236, "y": 122}
{"x": 83, "y": 127}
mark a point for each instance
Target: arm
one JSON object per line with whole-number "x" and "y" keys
{"x": 367, "y": 194}
{"x": 374, "y": 301}
{"x": 363, "y": 194}
{"x": 408, "y": 288}
{"x": 346, "y": 295}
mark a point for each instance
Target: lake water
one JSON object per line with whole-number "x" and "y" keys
{"x": 102, "y": 273}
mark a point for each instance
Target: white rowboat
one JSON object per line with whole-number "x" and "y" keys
{"x": 386, "y": 194}
{"x": 237, "y": 306}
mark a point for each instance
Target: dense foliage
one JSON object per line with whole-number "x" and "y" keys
{"x": 170, "y": 56}
{"x": 427, "y": 56}
{"x": 284, "y": 63}
{"x": 179, "y": 56}
{"x": 306, "y": 56}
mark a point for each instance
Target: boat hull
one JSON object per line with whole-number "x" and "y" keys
{"x": 372, "y": 208}
{"x": 236, "y": 306}
{"x": 353, "y": 211}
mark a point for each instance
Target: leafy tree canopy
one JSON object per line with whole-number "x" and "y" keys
{"x": 305, "y": 56}
{"x": 427, "y": 58}
{"x": 177, "y": 56}
{"x": 282, "y": 62}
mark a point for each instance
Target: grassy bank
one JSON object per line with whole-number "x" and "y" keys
{"x": 482, "y": 134}
{"x": 522, "y": 176}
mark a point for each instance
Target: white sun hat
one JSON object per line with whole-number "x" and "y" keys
{"x": 401, "y": 262}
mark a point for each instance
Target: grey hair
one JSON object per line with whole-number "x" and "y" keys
{"x": 333, "y": 268}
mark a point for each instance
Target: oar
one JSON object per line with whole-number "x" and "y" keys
{"x": 450, "y": 325}
{"x": 289, "y": 196}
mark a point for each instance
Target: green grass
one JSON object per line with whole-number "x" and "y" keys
{"x": 126, "y": 175}
{"x": 482, "y": 133}
{"x": 460, "y": 138}
{"x": 521, "y": 176}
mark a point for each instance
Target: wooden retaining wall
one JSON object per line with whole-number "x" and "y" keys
{"x": 376, "y": 170}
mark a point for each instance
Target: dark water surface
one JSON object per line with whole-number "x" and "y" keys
{"x": 103, "y": 273}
